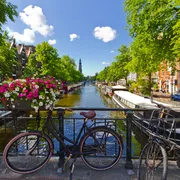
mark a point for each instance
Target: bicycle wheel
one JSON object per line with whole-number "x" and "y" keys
{"x": 101, "y": 148}
{"x": 152, "y": 162}
{"x": 27, "y": 152}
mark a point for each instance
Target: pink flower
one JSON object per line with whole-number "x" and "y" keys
{"x": 25, "y": 90}
{"x": 36, "y": 93}
{"x": 3, "y": 99}
{"x": 2, "y": 89}
{"x": 5, "y": 85}
{"x": 48, "y": 86}
{"x": 11, "y": 86}
{"x": 29, "y": 96}
{"x": 22, "y": 95}
{"x": 40, "y": 81}
{"x": 46, "y": 82}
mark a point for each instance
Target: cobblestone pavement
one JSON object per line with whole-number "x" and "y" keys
{"x": 82, "y": 172}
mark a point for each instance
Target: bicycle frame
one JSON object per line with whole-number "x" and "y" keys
{"x": 58, "y": 135}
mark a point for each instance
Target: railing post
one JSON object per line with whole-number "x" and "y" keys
{"x": 61, "y": 129}
{"x": 129, "y": 116}
{"x": 14, "y": 118}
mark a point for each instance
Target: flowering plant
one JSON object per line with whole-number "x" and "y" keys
{"x": 40, "y": 92}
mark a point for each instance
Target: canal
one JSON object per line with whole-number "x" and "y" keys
{"x": 85, "y": 96}
{"x": 90, "y": 96}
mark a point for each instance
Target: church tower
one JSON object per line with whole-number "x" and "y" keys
{"x": 80, "y": 66}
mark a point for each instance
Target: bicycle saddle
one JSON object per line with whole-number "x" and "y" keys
{"x": 89, "y": 115}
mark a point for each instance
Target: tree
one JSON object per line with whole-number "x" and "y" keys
{"x": 7, "y": 58}
{"x": 113, "y": 72}
{"x": 143, "y": 62}
{"x": 46, "y": 61}
{"x": 102, "y": 76}
{"x": 70, "y": 66}
{"x": 7, "y": 10}
{"x": 122, "y": 61}
{"x": 157, "y": 22}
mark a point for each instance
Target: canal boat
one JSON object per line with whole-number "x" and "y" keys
{"x": 109, "y": 90}
{"x": 60, "y": 94}
{"x": 126, "y": 99}
{"x": 4, "y": 113}
{"x": 145, "y": 119}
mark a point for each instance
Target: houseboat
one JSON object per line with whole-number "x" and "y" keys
{"x": 126, "y": 99}
{"x": 109, "y": 90}
{"x": 145, "y": 119}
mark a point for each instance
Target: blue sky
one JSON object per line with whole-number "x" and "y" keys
{"x": 92, "y": 30}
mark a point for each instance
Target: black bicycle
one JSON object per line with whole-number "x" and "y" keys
{"x": 163, "y": 142}
{"x": 30, "y": 151}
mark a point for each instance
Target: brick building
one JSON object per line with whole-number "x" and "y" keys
{"x": 22, "y": 55}
{"x": 167, "y": 80}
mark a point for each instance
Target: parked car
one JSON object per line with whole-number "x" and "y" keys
{"x": 176, "y": 97}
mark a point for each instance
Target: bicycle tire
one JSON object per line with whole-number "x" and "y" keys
{"x": 152, "y": 162}
{"x": 101, "y": 142}
{"x": 28, "y": 152}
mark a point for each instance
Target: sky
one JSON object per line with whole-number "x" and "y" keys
{"x": 90, "y": 30}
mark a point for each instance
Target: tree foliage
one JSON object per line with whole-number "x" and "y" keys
{"x": 46, "y": 61}
{"x": 118, "y": 69}
{"x": 7, "y": 58}
{"x": 122, "y": 61}
{"x": 157, "y": 23}
{"x": 102, "y": 76}
{"x": 7, "y": 10}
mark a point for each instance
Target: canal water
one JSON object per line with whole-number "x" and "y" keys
{"x": 90, "y": 96}
{"x": 85, "y": 96}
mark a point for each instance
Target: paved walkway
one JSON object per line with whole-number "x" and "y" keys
{"x": 82, "y": 172}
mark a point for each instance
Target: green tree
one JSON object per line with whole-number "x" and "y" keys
{"x": 70, "y": 67}
{"x": 44, "y": 61}
{"x": 102, "y": 76}
{"x": 7, "y": 10}
{"x": 122, "y": 61}
{"x": 7, "y": 58}
{"x": 113, "y": 72}
{"x": 143, "y": 62}
{"x": 157, "y": 22}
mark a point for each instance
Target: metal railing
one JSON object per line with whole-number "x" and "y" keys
{"x": 21, "y": 120}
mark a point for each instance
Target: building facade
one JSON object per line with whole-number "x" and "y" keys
{"x": 169, "y": 80}
{"x": 22, "y": 55}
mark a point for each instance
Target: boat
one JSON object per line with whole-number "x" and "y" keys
{"x": 146, "y": 119}
{"x": 59, "y": 94}
{"x": 109, "y": 90}
{"x": 126, "y": 99}
{"x": 3, "y": 113}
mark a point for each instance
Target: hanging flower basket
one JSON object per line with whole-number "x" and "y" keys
{"x": 19, "y": 105}
{"x": 30, "y": 92}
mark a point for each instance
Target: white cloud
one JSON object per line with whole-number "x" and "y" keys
{"x": 73, "y": 36}
{"x": 105, "y": 34}
{"x": 53, "y": 41}
{"x": 105, "y": 63}
{"x": 34, "y": 17}
{"x": 28, "y": 36}
{"x": 112, "y": 51}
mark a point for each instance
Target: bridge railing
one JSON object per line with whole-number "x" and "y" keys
{"x": 21, "y": 120}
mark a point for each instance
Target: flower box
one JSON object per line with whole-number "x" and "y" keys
{"x": 19, "y": 105}
{"x": 29, "y": 92}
